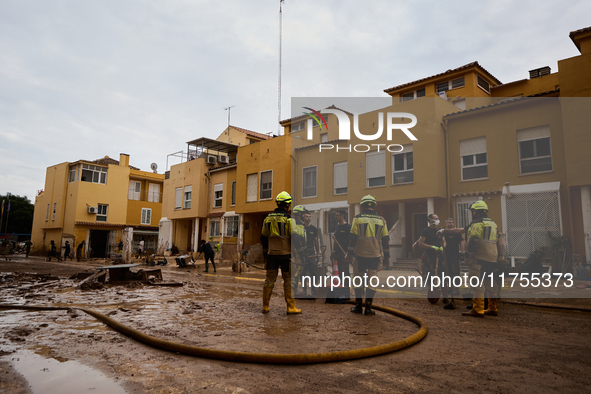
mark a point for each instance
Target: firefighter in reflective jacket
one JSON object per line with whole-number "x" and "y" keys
{"x": 368, "y": 241}
{"x": 484, "y": 251}
{"x": 298, "y": 244}
{"x": 276, "y": 240}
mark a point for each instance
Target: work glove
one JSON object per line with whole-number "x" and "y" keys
{"x": 437, "y": 248}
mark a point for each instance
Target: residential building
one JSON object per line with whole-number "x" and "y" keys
{"x": 96, "y": 201}
{"x": 520, "y": 146}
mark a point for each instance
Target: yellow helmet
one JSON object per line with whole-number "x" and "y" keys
{"x": 370, "y": 200}
{"x": 283, "y": 197}
{"x": 298, "y": 209}
{"x": 479, "y": 205}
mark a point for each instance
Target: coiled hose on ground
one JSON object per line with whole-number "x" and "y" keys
{"x": 260, "y": 358}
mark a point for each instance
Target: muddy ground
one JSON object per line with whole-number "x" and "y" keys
{"x": 525, "y": 349}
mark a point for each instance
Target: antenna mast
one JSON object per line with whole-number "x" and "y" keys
{"x": 229, "y": 109}
{"x": 279, "y": 84}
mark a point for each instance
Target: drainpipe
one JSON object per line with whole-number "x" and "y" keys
{"x": 447, "y": 179}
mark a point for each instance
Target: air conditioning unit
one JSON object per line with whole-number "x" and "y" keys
{"x": 224, "y": 159}
{"x": 212, "y": 159}
{"x": 92, "y": 210}
{"x": 443, "y": 95}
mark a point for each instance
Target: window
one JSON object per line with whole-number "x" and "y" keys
{"x": 218, "y": 193}
{"x": 72, "y": 174}
{"x": 535, "y": 154}
{"x": 453, "y": 84}
{"x": 54, "y": 209}
{"x": 154, "y": 192}
{"x": 214, "y": 227}
{"x": 375, "y": 168}
{"x": 47, "y": 214}
{"x": 481, "y": 82}
{"x": 146, "y": 216}
{"x": 402, "y": 166}
{"x": 233, "y": 201}
{"x": 101, "y": 214}
{"x": 251, "y": 187}
{"x": 231, "y": 226}
{"x": 413, "y": 95}
{"x": 309, "y": 182}
{"x": 473, "y": 158}
{"x": 94, "y": 174}
{"x": 178, "y": 198}
{"x": 135, "y": 190}
{"x": 187, "y": 197}
{"x": 298, "y": 127}
{"x": 266, "y": 185}
{"x": 340, "y": 178}
{"x": 324, "y": 137}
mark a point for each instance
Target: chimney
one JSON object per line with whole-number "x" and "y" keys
{"x": 124, "y": 160}
{"x": 539, "y": 72}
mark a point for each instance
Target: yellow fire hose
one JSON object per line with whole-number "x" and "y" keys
{"x": 260, "y": 358}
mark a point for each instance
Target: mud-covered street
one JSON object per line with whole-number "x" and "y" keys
{"x": 525, "y": 349}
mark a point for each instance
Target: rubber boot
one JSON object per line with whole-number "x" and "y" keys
{"x": 214, "y": 270}
{"x": 289, "y": 300}
{"x": 492, "y": 307}
{"x": 267, "y": 291}
{"x": 206, "y": 266}
{"x": 358, "y": 308}
{"x": 477, "y": 308}
{"x": 368, "y": 310}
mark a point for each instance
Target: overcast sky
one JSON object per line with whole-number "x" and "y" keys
{"x": 82, "y": 79}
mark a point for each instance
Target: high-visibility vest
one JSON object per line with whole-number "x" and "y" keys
{"x": 277, "y": 227}
{"x": 369, "y": 229}
{"x": 484, "y": 234}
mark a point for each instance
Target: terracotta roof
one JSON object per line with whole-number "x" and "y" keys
{"x": 510, "y": 100}
{"x": 100, "y": 224}
{"x": 251, "y": 133}
{"x": 107, "y": 160}
{"x": 575, "y": 33}
{"x": 474, "y": 194}
{"x": 283, "y": 122}
{"x": 473, "y": 64}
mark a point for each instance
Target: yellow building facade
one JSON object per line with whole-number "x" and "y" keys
{"x": 94, "y": 202}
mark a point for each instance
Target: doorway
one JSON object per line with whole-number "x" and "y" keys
{"x": 99, "y": 243}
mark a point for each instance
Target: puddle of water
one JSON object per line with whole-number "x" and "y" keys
{"x": 48, "y": 376}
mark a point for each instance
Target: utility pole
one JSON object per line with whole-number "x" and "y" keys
{"x": 229, "y": 109}
{"x": 279, "y": 84}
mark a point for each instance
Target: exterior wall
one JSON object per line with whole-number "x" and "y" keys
{"x": 272, "y": 154}
{"x": 72, "y": 200}
{"x": 184, "y": 174}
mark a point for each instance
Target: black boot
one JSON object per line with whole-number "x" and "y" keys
{"x": 368, "y": 310}
{"x": 358, "y": 308}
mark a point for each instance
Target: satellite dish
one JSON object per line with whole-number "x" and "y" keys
{"x": 154, "y": 167}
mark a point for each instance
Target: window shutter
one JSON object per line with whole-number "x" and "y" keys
{"x": 473, "y": 146}
{"x": 376, "y": 164}
{"x": 251, "y": 187}
{"x": 154, "y": 192}
{"x": 340, "y": 175}
{"x": 178, "y": 198}
{"x": 533, "y": 133}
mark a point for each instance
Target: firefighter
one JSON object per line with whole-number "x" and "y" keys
{"x": 368, "y": 241}
{"x": 299, "y": 242}
{"x": 484, "y": 252}
{"x": 276, "y": 240}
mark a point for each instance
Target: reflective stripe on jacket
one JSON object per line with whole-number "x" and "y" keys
{"x": 368, "y": 231}
{"x": 483, "y": 235}
{"x": 276, "y": 233}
